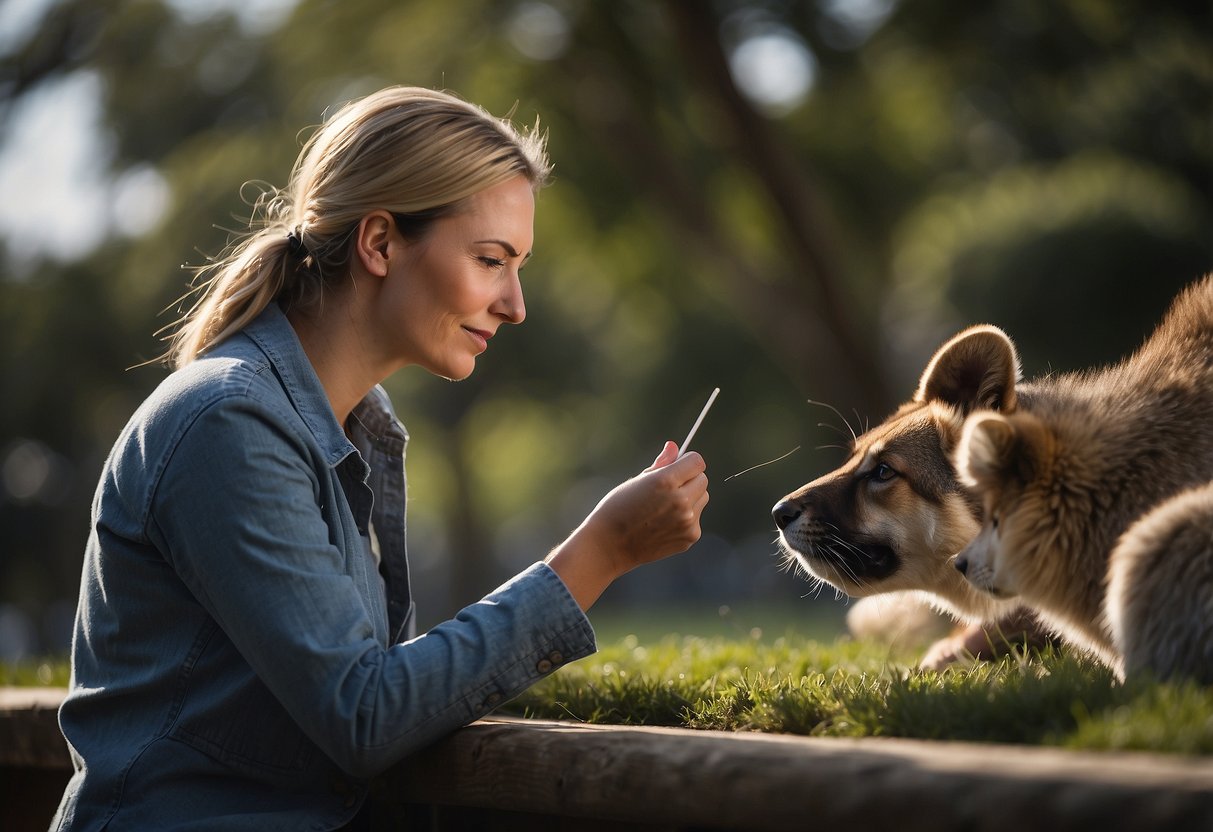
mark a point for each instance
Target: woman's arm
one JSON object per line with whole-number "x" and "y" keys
{"x": 238, "y": 515}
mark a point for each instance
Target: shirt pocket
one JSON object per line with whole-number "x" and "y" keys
{"x": 234, "y": 718}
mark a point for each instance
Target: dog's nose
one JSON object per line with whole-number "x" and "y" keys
{"x": 962, "y": 565}
{"x": 785, "y": 514}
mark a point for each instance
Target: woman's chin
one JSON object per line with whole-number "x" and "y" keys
{"x": 453, "y": 373}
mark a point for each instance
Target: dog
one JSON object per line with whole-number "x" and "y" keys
{"x": 893, "y": 517}
{"x": 1097, "y": 501}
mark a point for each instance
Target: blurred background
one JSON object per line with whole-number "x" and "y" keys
{"x": 794, "y": 201}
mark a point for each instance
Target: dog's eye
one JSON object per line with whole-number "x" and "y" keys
{"x": 882, "y": 473}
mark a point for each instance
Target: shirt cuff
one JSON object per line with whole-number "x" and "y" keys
{"x": 563, "y": 616}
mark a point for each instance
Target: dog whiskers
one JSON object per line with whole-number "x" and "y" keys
{"x": 838, "y": 412}
{"x": 762, "y": 464}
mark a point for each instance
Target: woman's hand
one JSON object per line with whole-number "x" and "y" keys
{"x": 651, "y": 516}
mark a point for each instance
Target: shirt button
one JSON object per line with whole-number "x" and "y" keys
{"x": 493, "y": 699}
{"x": 556, "y": 657}
{"x": 544, "y": 666}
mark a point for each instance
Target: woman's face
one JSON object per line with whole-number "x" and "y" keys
{"x": 450, "y": 291}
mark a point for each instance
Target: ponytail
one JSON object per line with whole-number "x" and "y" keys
{"x": 239, "y": 288}
{"x": 411, "y": 151}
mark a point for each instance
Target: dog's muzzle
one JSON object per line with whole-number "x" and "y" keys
{"x": 785, "y": 513}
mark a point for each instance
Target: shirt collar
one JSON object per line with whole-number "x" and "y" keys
{"x": 374, "y": 416}
{"x": 274, "y": 335}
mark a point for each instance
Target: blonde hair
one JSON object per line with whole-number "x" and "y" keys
{"x": 414, "y": 152}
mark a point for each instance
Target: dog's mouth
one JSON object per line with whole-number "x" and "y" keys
{"x": 844, "y": 560}
{"x": 996, "y": 592}
{"x": 982, "y": 579}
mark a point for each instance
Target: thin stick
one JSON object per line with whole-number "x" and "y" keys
{"x": 682, "y": 449}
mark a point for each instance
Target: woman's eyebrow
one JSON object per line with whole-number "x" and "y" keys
{"x": 509, "y": 249}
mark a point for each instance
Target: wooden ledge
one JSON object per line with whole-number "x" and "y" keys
{"x": 683, "y": 779}
{"x": 712, "y": 779}
{"x": 29, "y": 729}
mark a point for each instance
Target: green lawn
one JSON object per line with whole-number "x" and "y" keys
{"x": 779, "y": 670}
{"x": 744, "y": 620}
{"x": 35, "y": 673}
{"x": 849, "y": 688}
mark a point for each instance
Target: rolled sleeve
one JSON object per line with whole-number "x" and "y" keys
{"x": 240, "y": 511}
{"x": 496, "y": 648}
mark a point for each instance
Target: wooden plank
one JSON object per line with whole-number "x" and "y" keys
{"x": 764, "y": 782}
{"x": 684, "y": 779}
{"x": 29, "y": 728}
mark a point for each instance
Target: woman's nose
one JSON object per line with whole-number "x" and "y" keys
{"x": 511, "y": 307}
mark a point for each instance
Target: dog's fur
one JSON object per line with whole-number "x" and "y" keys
{"x": 894, "y": 515}
{"x": 1098, "y": 500}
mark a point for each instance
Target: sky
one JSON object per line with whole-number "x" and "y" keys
{"x": 59, "y": 194}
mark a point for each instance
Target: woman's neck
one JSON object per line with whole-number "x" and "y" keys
{"x": 335, "y": 341}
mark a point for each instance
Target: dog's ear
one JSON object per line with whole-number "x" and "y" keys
{"x": 995, "y": 449}
{"x": 976, "y": 370}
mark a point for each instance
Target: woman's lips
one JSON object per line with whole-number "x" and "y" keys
{"x": 480, "y": 336}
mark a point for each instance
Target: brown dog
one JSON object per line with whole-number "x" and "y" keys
{"x": 894, "y": 515}
{"x": 1098, "y": 501}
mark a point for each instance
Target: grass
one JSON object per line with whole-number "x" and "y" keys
{"x": 855, "y": 689}
{"x": 759, "y": 670}
{"x": 35, "y": 673}
{"x": 743, "y": 620}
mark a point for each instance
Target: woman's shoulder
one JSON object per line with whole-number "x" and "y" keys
{"x": 202, "y": 417}
{"x": 234, "y": 373}
{"x": 234, "y": 382}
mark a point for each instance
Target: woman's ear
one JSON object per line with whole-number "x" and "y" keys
{"x": 372, "y": 241}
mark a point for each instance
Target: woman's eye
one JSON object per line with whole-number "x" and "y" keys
{"x": 883, "y": 473}
{"x": 492, "y": 262}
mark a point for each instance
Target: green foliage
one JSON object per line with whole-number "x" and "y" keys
{"x": 857, "y": 689}
{"x": 1175, "y": 717}
{"x": 39, "y": 673}
{"x": 846, "y": 688}
{"x": 1040, "y": 164}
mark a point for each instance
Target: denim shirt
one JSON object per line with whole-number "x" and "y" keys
{"x": 243, "y": 655}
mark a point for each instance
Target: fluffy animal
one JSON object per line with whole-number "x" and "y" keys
{"x": 893, "y": 517}
{"x": 1097, "y": 500}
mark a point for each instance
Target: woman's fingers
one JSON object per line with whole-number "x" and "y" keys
{"x": 669, "y": 453}
{"x": 658, "y": 513}
{"x": 649, "y": 517}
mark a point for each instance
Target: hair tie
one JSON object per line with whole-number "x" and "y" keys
{"x": 294, "y": 241}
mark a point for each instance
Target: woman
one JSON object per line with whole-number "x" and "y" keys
{"x": 244, "y": 654}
